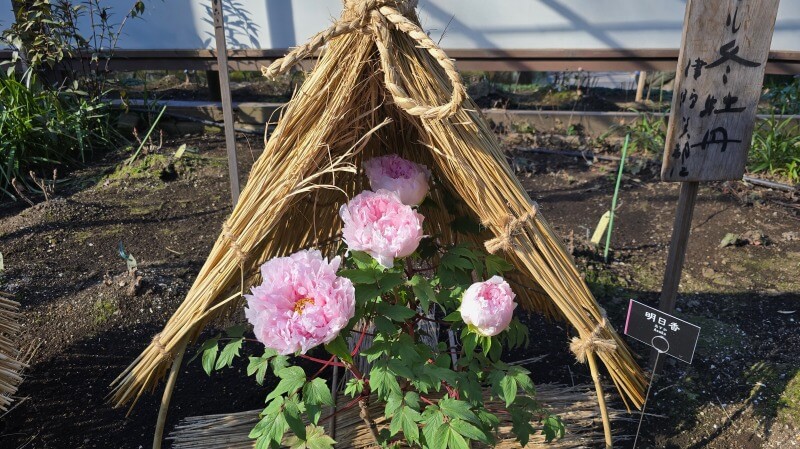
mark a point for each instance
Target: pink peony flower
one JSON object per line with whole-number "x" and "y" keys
{"x": 380, "y": 225}
{"x": 407, "y": 179}
{"x": 488, "y": 306}
{"x": 301, "y": 304}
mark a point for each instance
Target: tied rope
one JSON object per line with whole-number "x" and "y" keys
{"x": 503, "y": 241}
{"x": 234, "y": 244}
{"x": 377, "y": 17}
{"x": 165, "y": 354}
{"x": 592, "y": 343}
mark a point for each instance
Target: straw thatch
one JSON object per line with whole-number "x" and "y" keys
{"x": 577, "y": 407}
{"x": 369, "y": 94}
{"x": 10, "y": 364}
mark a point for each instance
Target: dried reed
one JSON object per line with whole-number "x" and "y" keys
{"x": 577, "y": 406}
{"x": 11, "y": 364}
{"x": 367, "y": 95}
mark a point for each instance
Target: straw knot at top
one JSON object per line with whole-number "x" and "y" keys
{"x": 376, "y": 17}
{"x": 592, "y": 343}
{"x": 503, "y": 241}
{"x": 363, "y": 8}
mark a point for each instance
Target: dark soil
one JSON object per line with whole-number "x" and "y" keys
{"x": 742, "y": 390}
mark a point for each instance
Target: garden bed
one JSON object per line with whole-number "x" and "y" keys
{"x": 62, "y": 262}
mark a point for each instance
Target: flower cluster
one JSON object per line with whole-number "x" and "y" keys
{"x": 388, "y": 286}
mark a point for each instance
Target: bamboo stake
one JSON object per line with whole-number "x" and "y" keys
{"x": 601, "y": 399}
{"x": 158, "y": 436}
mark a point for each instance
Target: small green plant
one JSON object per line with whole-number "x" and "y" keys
{"x": 647, "y": 134}
{"x": 42, "y": 128}
{"x": 50, "y": 118}
{"x": 103, "y": 310}
{"x": 784, "y": 99}
{"x": 775, "y": 148}
{"x": 523, "y": 127}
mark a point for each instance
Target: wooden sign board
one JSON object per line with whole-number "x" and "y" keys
{"x": 717, "y": 88}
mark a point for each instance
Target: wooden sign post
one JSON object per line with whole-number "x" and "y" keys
{"x": 724, "y": 50}
{"x": 225, "y": 93}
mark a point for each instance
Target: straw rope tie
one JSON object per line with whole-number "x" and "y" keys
{"x": 233, "y": 243}
{"x": 503, "y": 241}
{"x": 592, "y": 342}
{"x": 165, "y": 354}
{"x": 377, "y": 17}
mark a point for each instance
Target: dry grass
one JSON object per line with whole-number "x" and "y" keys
{"x": 577, "y": 406}
{"x": 11, "y": 364}
{"x": 353, "y": 105}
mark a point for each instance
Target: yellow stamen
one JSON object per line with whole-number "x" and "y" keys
{"x": 301, "y": 304}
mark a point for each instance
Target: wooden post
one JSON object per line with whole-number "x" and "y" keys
{"x": 225, "y": 91}
{"x": 677, "y": 246}
{"x": 724, "y": 50}
{"x": 640, "y": 86}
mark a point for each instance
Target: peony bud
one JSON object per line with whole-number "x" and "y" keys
{"x": 488, "y": 306}
{"x": 407, "y": 179}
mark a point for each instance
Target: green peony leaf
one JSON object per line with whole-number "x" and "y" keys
{"x": 315, "y": 439}
{"x": 364, "y": 261}
{"x": 317, "y": 392}
{"x": 395, "y": 313}
{"x": 508, "y": 386}
{"x": 455, "y": 408}
{"x": 354, "y": 387}
{"x": 339, "y": 348}
{"x": 291, "y": 413}
{"x": 229, "y": 352}
{"x": 382, "y": 380}
{"x": 258, "y": 366}
{"x": 390, "y": 281}
{"x": 435, "y": 433}
{"x": 553, "y": 428}
{"x": 496, "y": 265}
{"x": 210, "y": 349}
{"x": 362, "y": 276}
{"x": 292, "y": 379}
{"x": 423, "y": 291}
{"x": 469, "y": 430}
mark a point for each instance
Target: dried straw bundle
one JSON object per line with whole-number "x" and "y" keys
{"x": 370, "y": 94}
{"x": 10, "y": 364}
{"x": 577, "y": 406}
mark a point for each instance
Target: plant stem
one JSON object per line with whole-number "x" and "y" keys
{"x": 324, "y": 362}
{"x": 363, "y": 403}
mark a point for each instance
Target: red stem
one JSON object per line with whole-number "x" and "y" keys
{"x": 322, "y": 368}
{"x": 324, "y": 362}
{"x": 360, "y": 341}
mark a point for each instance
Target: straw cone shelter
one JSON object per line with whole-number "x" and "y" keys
{"x": 577, "y": 407}
{"x": 11, "y": 364}
{"x": 382, "y": 86}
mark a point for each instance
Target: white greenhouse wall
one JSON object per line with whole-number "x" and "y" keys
{"x": 473, "y": 24}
